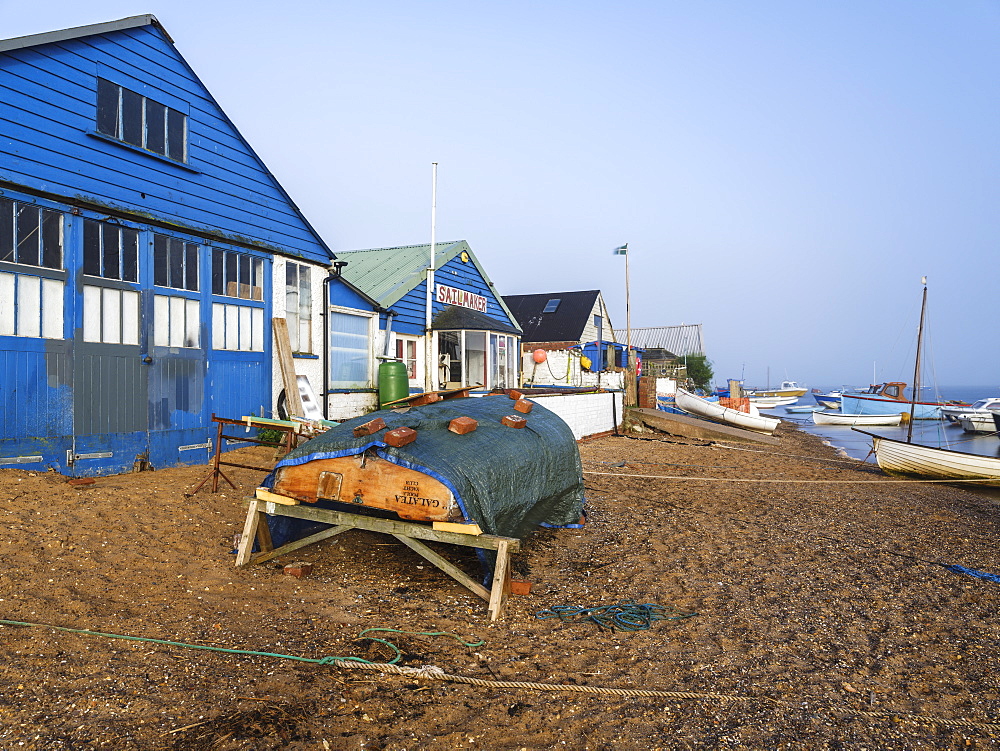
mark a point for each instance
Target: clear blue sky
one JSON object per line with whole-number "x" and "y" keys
{"x": 784, "y": 172}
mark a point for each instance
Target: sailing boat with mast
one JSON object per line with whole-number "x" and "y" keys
{"x": 898, "y": 457}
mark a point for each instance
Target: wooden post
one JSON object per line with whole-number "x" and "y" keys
{"x": 284, "y": 346}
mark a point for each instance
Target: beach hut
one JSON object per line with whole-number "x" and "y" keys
{"x": 463, "y": 327}
{"x": 144, "y": 250}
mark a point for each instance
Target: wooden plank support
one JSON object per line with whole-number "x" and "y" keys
{"x": 288, "y": 377}
{"x": 296, "y": 544}
{"x": 501, "y": 581}
{"x": 408, "y": 533}
{"x": 449, "y": 568}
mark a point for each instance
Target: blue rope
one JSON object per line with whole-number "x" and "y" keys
{"x": 954, "y": 567}
{"x": 623, "y": 616}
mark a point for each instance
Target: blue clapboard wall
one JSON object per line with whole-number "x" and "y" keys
{"x": 88, "y": 408}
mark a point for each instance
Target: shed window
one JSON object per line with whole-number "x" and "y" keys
{"x": 551, "y": 305}
{"x": 298, "y": 306}
{"x": 350, "y": 357}
{"x": 237, "y": 327}
{"x": 110, "y": 251}
{"x": 237, "y": 275}
{"x": 140, "y": 121}
{"x": 175, "y": 263}
{"x": 406, "y": 352}
{"x": 31, "y": 306}
{"x": 30, "y": 235}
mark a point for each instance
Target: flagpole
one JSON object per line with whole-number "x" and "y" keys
{"x": 430, "y": 369}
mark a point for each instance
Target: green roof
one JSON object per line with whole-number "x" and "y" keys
{"x": 389, "y": 274}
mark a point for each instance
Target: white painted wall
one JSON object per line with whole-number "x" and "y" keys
{"x": 563, "y": 369}
{"x": 586, "y": 414}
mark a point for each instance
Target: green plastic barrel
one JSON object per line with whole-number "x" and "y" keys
{"x": 393, "y": 383}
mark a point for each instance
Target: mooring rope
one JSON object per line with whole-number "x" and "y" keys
{"x": 434, "y": 673}
{"x": 803, "y": 482}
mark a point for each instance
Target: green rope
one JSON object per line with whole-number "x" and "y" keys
{"x": 623, "y": 616}
{"x": 318, "y": 661}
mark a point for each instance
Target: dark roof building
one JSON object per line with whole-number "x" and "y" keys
{"x": 569, "y": 317}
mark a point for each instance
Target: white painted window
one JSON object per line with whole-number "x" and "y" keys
{"x": 406, "y": 352}
{"x": 31, "y": 306}
{"x": 237, "y": 327}
{"x": 350, "y": 349}
{"x": 110, "y": 315}
{"x": 298, "y": 306}
{"x": 176, "y": 322}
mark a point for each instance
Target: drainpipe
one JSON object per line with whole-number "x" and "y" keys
{"x": 333, "y": 272}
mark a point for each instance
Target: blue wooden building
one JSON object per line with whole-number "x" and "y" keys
{"x": 139, "y": 235}
{"x": 472, "y": 340}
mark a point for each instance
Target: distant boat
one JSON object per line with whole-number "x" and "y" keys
{"x": 982, "y": 406}
{"x": 771, "y": 402}
{"x": 839, "y": 418}
{"x": 886, "y": 399}
{"x": 913, "y": 459}
{"x": 787, "y": 388}
{"x": 802, "y": 408}
{"x": 975, "y": 422}
{"x": 695, "y": 405}
{"x": 830, "y": 400}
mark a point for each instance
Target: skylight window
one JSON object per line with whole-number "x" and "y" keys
{"x": 551, "y": 305}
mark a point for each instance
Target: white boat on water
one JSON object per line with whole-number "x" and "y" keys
{"x": 898, "y": 457}
{"x": 771, "y": 402}
{"x": 695, "y": 405}
{"x": 982, "y": 406}
{"x": 975, "y": 422}
{"x": 787, "y": 388}
{"x": 839, "y": 418}
{"x": 802, "y": 408}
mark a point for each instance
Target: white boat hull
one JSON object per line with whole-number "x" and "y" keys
{"x": 695, "y": 405}
{"x": 838, "y": 418}
{"x": 914, "y": 459}
{"x": 977, "y": 423}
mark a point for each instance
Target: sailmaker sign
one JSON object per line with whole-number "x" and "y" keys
{"x": 454, "y": 296}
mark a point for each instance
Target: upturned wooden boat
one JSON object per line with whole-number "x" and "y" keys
{"x": 916, "y": 460}
{"x": 695, "y": 405}
{"x": 839, "y": 418}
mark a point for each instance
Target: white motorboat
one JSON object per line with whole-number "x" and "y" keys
{"x": 787, "y": 388}
{"x": 771, "y": 402}
{"x": 975, "y": 422}
{"x": 982, "y": 406}
{"x": 695, "y": 405}
{"x": 839, "y": 418}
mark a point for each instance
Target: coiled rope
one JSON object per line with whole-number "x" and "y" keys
{"x": 622, "y": 616}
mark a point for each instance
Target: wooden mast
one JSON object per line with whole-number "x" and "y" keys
{"x": 916, "y": 368}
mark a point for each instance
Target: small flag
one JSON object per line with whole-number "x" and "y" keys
{"x": 621, "y": 250}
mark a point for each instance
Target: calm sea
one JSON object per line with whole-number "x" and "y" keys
{"x": 927, "y": 432}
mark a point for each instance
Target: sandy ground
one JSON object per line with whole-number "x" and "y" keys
{"x": 811, "y": 632}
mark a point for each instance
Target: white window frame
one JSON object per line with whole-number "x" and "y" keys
{"x": 406, "y": 341}
{"x": 370, "y": 353}
{"x": 299, "y": 325}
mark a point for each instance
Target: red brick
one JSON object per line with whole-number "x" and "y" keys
{"x": 514, "y": 394}
{"x": 428, "y": 398}
{"x": 400, "y": 437}
{"x": 372, "y": 426}
{"x": 523, "y": 405}
{"x": 519, "y": 587}
{"x": 82, "y": 481}
{"x": 463, "y": 425}
{"x": 513, "y": 421}
{"x": 298, "y": 570}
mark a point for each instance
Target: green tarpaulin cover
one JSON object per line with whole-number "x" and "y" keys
{"x": 507, "y": 480}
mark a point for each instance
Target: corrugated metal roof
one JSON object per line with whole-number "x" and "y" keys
{"x": 387, "y": 274}
{"x": 33, "y": 40}
{"x": 681, "y": 340}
